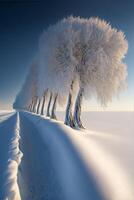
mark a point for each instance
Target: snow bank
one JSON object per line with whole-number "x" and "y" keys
{"x": 108, "y": 149}
{"x": 77, "y": 182}
{"x": 11, "y": 190}
{"x": 110, "y": 175}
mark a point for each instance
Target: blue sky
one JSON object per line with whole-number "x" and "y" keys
{"x": 21, "y": 23}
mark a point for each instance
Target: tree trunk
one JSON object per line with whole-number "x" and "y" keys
{"x": 53, "y": 115}
{"x": 77, "y": 109}
{"x": 43, "y": 104}
{"x": 27, "y": 108}
{"x": 38, "y": 106}
{"x": 31, "y": 109}
{"x": 69, "y": 116}
{"x": 49, "y": 103}
{"x": 35, "y": 104}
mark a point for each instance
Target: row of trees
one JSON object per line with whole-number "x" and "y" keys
{"x": 77, "y": 58}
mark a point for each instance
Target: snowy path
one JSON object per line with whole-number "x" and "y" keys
{"x": 58, "y": 162}
{"x": 51, "y": 167}
{"x": 37, "y": 178}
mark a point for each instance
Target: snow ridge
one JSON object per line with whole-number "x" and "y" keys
{"x": 11, "y": 189}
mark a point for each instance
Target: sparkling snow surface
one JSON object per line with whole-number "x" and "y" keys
{"x": 42, "y": 159}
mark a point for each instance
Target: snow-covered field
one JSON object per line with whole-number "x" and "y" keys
{"x": 42, "y": 159}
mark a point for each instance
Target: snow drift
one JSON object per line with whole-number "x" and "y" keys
{"x": 76, "y": 182}
{"x": 62, "y": 163}
{"x": 84, "y": 168}
{"x": 10, "y": 190}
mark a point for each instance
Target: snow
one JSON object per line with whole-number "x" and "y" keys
{"x": 114, "y": 131}
{"x": 62, "y": 163}
{"x": 4, "y": 115}
{"x": 10, "y": 157}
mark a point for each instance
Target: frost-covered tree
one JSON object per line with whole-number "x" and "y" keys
{"x": 80, "y": 50}
{"x": 98, "y": 51}
{"x": 45, "y": 94}
{"x": 53, "y": 115}
{"x": 56, "y": 61}
{"x": 23, "y": 98}
{"x": 33, "y": 79}
{"x": 75, "y": 55}
{"x": 38, "y": 105}
{"x": 49, "y": 104}
{"x": 27, "y": 97}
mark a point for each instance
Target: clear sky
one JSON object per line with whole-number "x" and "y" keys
{"x": 21, "y": 23}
